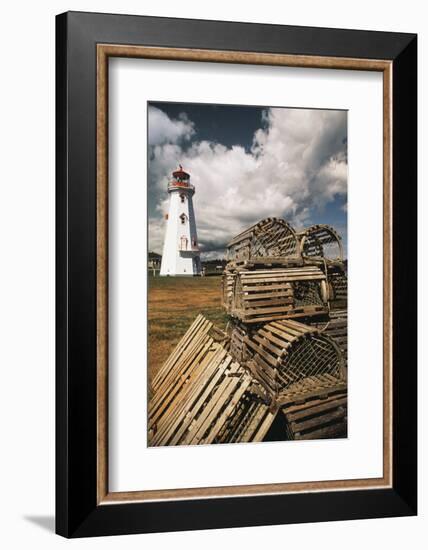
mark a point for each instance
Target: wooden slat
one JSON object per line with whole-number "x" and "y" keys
{"x": 190, "y": 401}
{"x": 262, "y": 295}
{"x": 292, "y": 397}
{"x": 273, "y": 301}
{"x": 279, "y": 316}
{"x": 200, "y": 325}
{"x": 315, "y": 422}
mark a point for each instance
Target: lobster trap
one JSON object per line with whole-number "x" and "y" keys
{"x": 227, "y": 283}
{"x": 268, "y": 377}
{"x": 202, "y": 395}
{"x": 264, "y": 295}
{"x": 337, "y": 286}
{"x": 318, "y": 417}
{"x": 321, "y": 242}
{"x": 290, "y": 359}
{"x": 335, "y": 325}
{"x": 272, "y": 241}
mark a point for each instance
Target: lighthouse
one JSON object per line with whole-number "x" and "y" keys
{"x": 180, "y": 249}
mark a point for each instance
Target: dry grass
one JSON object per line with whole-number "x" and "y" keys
{"x": 173, "y": 304}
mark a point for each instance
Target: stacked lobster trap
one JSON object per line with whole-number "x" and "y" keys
{"x": 279, "y": 371}
{"x": 274, "y": 276}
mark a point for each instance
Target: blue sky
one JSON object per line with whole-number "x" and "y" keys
{"x": 248, "y": 163}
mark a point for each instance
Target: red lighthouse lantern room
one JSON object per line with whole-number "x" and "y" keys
{"x": 180, "y": 177}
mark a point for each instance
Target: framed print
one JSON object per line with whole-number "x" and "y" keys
{"x": 236, "y": 269}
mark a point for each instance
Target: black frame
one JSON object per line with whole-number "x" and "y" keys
{"x": 77, "y": 513}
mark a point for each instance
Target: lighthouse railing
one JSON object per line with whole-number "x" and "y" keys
{"x": 184, "y": 248}
{"x": 180, "y": 185}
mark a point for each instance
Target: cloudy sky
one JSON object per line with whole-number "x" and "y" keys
{"x": 247, "y": 163}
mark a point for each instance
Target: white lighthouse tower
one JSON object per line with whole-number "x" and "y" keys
{"x": 180, "y": 249}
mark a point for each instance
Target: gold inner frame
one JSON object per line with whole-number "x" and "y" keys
{"x": 104, "y": 52}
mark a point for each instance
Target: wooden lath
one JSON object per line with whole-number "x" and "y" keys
{"x": 201, "y": 389}
{"x": 184, "y": 348}
{"x": 337, "y": 286}
{"x": 270, "y": 241}
{"x": 238, "y": 331}
{"x": 227, "y": 283}
{"x": 265, "y": 295}
{"x": 336, "y": 327}
{"x": 250, "y": 422}
{"x": 290, "y": 358}
{"x": 318, "y": 417}
{"x": 321, "y": 241}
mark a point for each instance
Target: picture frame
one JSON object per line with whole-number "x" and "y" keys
{"x": 84, "y": 44}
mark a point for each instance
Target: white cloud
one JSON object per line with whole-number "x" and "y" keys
{"x": 297, "y": 163}
{"x": 164, "y": 130}
{"x": 156, "y": 233}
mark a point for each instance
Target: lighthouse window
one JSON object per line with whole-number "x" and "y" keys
{"x": 183, "y": 243}
{"x": 183, "y": 218}
{"x": 183, "y": 198}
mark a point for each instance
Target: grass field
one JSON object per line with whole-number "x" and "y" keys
{"x": 173, "y": 304}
